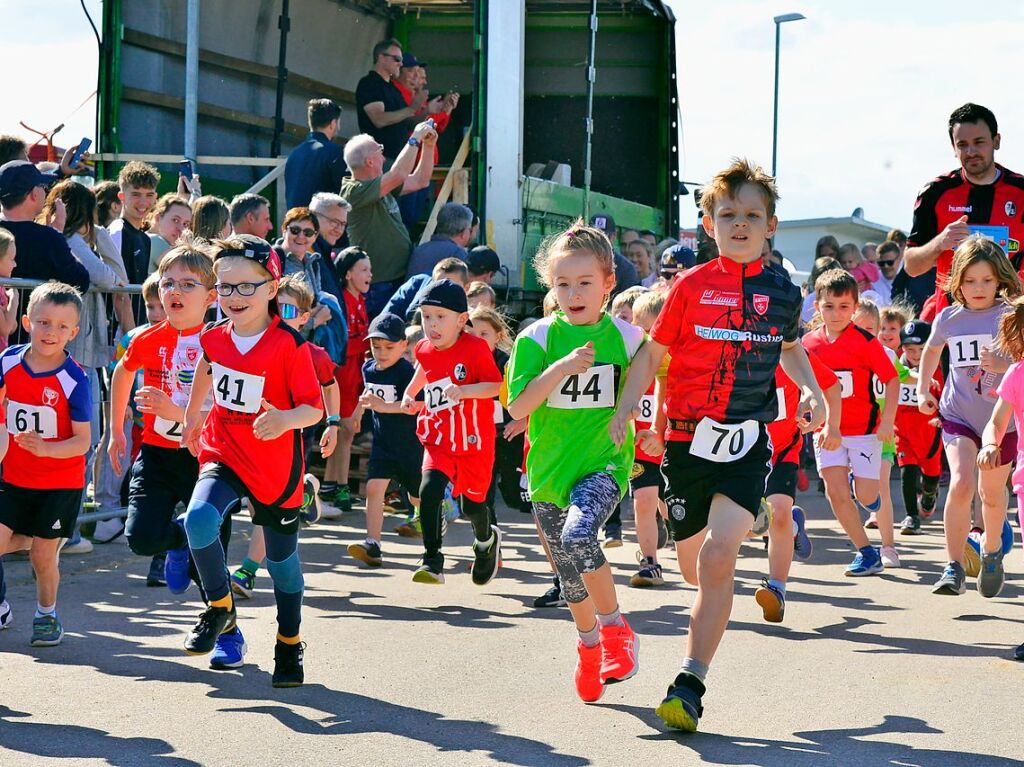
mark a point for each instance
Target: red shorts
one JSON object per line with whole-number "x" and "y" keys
{"x": 350, "y": 384}
{"x": 470, "y": 473}
{"x": 786, "y": 443}
{"x": 923, "y": 450}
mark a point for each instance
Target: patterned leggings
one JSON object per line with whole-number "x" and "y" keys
{"x": 571, "y": 533}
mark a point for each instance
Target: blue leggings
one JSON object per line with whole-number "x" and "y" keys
{"x": 212, "y": 500}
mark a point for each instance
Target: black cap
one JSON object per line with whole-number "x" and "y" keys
{"x": 446, "y": 294}
{"x": 387, "y": 326}
{"x": 915, "y": 332}
{"x": 258, "y": 250}
{"x": 410, "y": 60}
{"x": 678, "y": 257}
{"x": 482, "y": 259}
{"x": 604, "y": 222}
{"x": 19, "y": 177}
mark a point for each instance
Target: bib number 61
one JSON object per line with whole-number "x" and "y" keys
{"x": 723, "y": 443}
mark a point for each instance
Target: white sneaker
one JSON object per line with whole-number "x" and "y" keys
{"x": 108, "y": 530}
{"x": 83, "y": 546}
{"x": 6, "y": 616}
{"x": 890, "y": 557}
{"x": 329, "y": 512}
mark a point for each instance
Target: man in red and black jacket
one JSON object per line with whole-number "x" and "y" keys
{"x": 980, "y": 193}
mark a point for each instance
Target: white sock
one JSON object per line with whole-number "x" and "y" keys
{"x": 42, "y": 609}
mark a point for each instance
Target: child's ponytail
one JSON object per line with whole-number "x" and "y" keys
{"x": 1010, "y": 340}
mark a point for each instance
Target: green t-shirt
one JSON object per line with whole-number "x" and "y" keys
{"x": 569, "y": 431}
{"x": 375, "y": 225}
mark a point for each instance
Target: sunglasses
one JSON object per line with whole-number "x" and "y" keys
{"x": 288, "y": 311}
{"x": 887, "y": 263}
{"x": 297, "y": 230}
{"x": 393, "y": 57}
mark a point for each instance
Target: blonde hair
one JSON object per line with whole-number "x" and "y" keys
{"x": 151, "y": 288}
{"x": 550, "y": 305}
{"x": 628, "y": 297}
{"x": 6, "y": 240}
{"x": 728, "y": 182}
{"x": 1010, "y": 340}
{"x": 852, "y": 249}
{"x": 976, "y": 250}
{"x": 192, "y": 255}
{"x": 496, "y": 321}
{"x": 867, "y": 306}
{"x": 477, "y": 288}
{"x": 649, "y": 304}
{"x": 897, "y": 312}
{"x": 413, "y": 334}
{"x": 578, "y": 238}
{"x": 295, "y": 285}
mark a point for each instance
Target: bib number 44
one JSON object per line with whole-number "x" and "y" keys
{"x": 593, "y": 389}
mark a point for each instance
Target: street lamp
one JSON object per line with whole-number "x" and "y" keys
{"x": 779, "y": 21}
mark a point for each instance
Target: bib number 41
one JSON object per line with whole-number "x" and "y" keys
{"x": 237, "y": 391}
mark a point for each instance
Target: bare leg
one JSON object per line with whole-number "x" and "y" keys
{"x": 780, "y": 538}
{"x": 962, "y": 456}
{"x": 44, "y": 562}
{"x": 837, "y": 490}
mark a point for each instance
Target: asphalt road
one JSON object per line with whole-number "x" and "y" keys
{"x": 863, "y": 671}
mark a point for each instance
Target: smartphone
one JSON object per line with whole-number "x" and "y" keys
{"x": 83, "y": 147}
{"x": 185, "y": 169}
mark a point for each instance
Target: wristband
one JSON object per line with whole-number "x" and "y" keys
{"x": 334, "y": 420}
{"x": 990, "y": 444}
{"x": 413, "y": 141}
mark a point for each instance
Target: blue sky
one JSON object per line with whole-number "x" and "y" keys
{"x": 867, "y": 87}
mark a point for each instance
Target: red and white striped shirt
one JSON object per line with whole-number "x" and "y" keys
{"x": 468, "y": 427}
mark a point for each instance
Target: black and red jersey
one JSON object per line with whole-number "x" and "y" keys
{"x": 724, "y": 324}
{"x": 950, "y": 196}
{"x": 277, "y": 369}
{"x": 785, "y": 434}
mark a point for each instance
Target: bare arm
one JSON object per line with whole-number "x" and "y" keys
{"x": 420, "y": 178}
{"x": 641, "y": 372}
{"x": 538, "y": 390}
{"x": 887, "y": 424}
{"x": 405, "y": 162}
{"x": 72, "y": 447}
{"x": 120, "y": 391}
{"x": 9, "y": 316}
{"x": 382, "y": 119}
{"x": 992, "y": 436}
{"x": 919, "y": 259}
{"x": 926, "y": 401}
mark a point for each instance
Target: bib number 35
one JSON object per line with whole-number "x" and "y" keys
{"x": 723, "y": 443}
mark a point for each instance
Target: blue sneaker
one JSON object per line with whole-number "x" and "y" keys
{"x": 802, "y": 546}
{"x": 1007, "y": 537}
{"x": 176, "y": 569}
{"x": 450, "y": 506}
{"x": 229, "y": 651}
{"x": 862, "y": 565}
{"x": 46, "y": 631}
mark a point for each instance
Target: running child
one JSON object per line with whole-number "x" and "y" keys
{"x": 265, "y": 391}
{"x": 43, "y": 442}
{"x": 457, "y": 375}
{"x": 727, "y": 324}
{"x": 857, "y": 358}
{"x": 295, "y": 306}
{"x": 396, "y": 453}
{"x": 981, "y": 283}
{"x": 565, "y": 374}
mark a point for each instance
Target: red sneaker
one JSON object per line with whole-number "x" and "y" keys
{"x": 802, "y": 482}
{"x": 620, "y": 653}
{"x": 588, "y": 673}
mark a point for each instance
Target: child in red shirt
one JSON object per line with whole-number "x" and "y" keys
{"x": 458, "y": 377}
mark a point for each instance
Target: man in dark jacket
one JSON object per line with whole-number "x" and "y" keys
{"x": 317, "y": 164}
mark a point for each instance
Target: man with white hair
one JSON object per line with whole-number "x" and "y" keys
{"x": 332, "y": 213}
{"x": 374, "y": 222}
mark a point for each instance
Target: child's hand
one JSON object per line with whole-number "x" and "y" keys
{"x": 992, "y": 362}
{"x": 453, "y": 393}
{"x": 814, "y": 411}
{"x": 33, "y": 442}
{"x": 118, "y": 447}
{"x": 190, "y": 431}
{"x": 153, "y": 400}
{"x": 578, "y": 361}
{"x": 12, "y": 301}
{"x": 329, "y": 441}
{"x": 650, "y": 442}
{"x": 988, "y": 458}
{"x": 514, "y": 428}
{"x": 829, "y": 438}
{"x": 270, "y": 424}
{"x": 370, "y": 401}
{"x": 886, "y": 432}
{"x": 927, "y": 403}
{"x": 411, "y": 405}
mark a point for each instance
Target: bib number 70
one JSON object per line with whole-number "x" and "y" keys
{"x": 723, "y": 443}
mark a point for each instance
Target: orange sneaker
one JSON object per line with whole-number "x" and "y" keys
{"x": 588, "y": 673}
{"x": 620, "y": 653}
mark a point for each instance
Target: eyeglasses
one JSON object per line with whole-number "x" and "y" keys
{"x": 887, "y": 263}
{"x": 336, "y": 221}
{"x": 288, "y": 311}
{"x": 297, "y": 230}
{"x": 185, "y": 286}
{"x": 225, "y": 289}
{"x": 393, "y": 57}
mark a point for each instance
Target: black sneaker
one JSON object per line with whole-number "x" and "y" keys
{"x": 1018, "y": 654}
{"x": 212, "y": 623}
{"x": 681, "y": 708}
{"x": 552, "y": 597}
{"x": 367, "y": 553}
{"x": 288, "y": 664}
{"x": 662, "y": 532}
{"x": 911, "y": 525}
{"x": 952, "y": 582}
{"x": 927, "y": 505}
{"x": 155, "y": 578}
{"x": 488, "y": 558}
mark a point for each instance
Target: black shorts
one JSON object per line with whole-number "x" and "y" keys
{"x": 407, "y": 474}
{"x": 782, "y": 480}
{"x": 692, "y": 483}
{"x": 646, "y": 474}
{"x": 161, "y": 477}
{"x": 39, "y": 513}
{"x": 275, "y": 517}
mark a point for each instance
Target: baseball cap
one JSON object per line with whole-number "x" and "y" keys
{"x": 678, "y": 257}
{"x": 20, "y": 177}
{"x": 410, "y": 60}
{"x": 915, "y": 332}
{"x": 387, "y": 326}
{"x": 483, "y": 259}
{"x": 446, "y": 294}
{"x": 258, "y": 250}
{"x": 604, "y": 222}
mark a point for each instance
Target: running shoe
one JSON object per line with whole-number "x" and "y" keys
{"x": 927, "y": 504}
{"x": 395, "y": 504}
{"x": 553, "y": 597}
{"x": 1018, "y": 654}
{"x": 311, "y": 508}
{"x": 763, "y": 520}
{"x": 155, "y": 578}
{"x": 7, "y": 616}
{"x": 176, "y": 574}
{"x": 620, "y": 653}
{"x": 243, "y": 583}
{"x": 229, "y": 650}
{"x": 288, "y": 664}
{"x": 340, "y": 498}
{"x": 802, "y": 481}
{"x": 410, "y": 528}
{"x": 46, "y": 631}
{"x": 649, "y": 574}
{"x": 431, "y": 573}
{"x": 911, "y": 525}
{"x": 79, "y": 546}
{"x": 952, "y": 582}
{"x": 487, "y": 558}
{"x": 662, "y": 532}
{"x": 990, "y": 579}
{"x": 802, "y": 546}
{"x": 972, "y": 554}
{"x": 681, "y": 708}
{"x": 108, "y": 530}
{"x": 1007, "y": 537}
{"x": 865, "y": 565}
{"x": 872, "y": 523}
{"x": 772, "y": 602}
{"x": 890, "y": 557}
{"x": 213, "y": 622}
{"x": 612, "y": 537}
{"x": 367, "y": 553}
{"x": 327, "y": 511}
{"x": 588, "y": 673}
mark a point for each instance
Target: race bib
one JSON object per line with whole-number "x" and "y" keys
{"x": 41, "y": 419}
{"x": 387, "y": 392}
{"x": 908, "y": 395}
{"x": 845, "y": 383}
{"x": 237, "y": 391}
{"x": 167, "y": 429}
{"x": 965, "y": 351}
{"x": 647, "y": 406}
{"x": 433, "y": 396}
{"x": 499, "y": 414}
{"x": 780, "y": 394}
{"x": 878, "y": 386}
{"x": 723, "y": 443}
{"x": 593, "y": 389}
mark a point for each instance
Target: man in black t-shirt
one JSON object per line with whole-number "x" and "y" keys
{"x": 380, "y": 108}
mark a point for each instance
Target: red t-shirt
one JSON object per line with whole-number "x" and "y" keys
{"x": 648, "y": 410}
{"x": 278, "y": 369}
{"x": 783, "y": 430}
{"x": 47, "y": 403}
{"x": 323, "y": 365}
{"x": 911, "y": 424}
{"x": 468, "y": 427}
{"x": 358, "y": 326}
{"x": 855, "y": 356}
{"x": 168, "y": 358}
